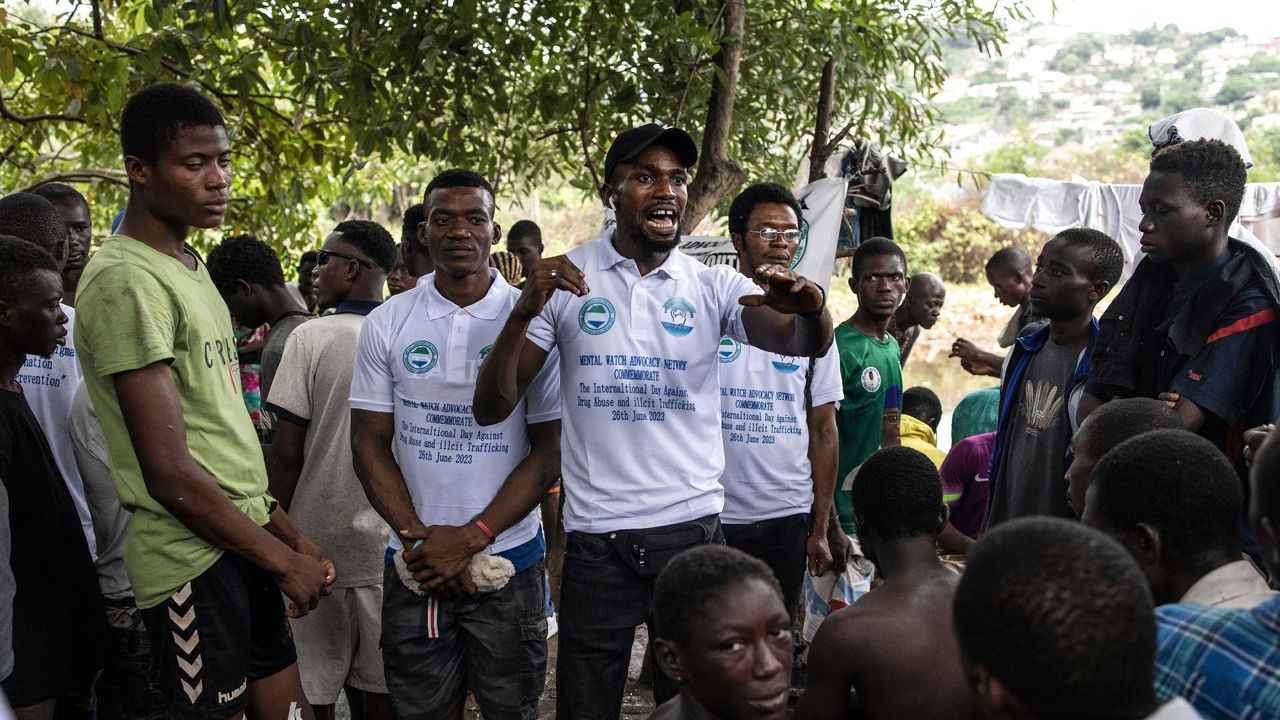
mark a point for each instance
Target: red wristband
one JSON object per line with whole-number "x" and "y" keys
{"x": 485, "y": 529}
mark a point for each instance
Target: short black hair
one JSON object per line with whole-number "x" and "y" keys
{"x": 1211, "y": 169}
{"x": 414, "y": 216}
{"x": 1061, "y": 615}
{"x": 19, "y": 261}
{"x": 309, "y": 256}
{"x": 687, "y": 585}
{"x": 371, "y": 239}
{"x": 34, "y": 219}
{"x": 525, "y": 228}
{"x": 155, "y": 115}
{"x": 458, "y": 177}
{"x": 1179, "y": 483}
{"x": 747, "y": 200}
{"x": 1013, "y": 259}
{"x": 898, "y": 493}
{"x": 876, "y": 247}
{"x": 1108, "y": 260}
{"x": 922, "y": 403}
{"x": 244, "y": 258}
{"x": 57, "y": 192}
{"x": 1118, "y": 420}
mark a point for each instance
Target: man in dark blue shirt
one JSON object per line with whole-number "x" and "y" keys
{"x": 1197, "y": 323}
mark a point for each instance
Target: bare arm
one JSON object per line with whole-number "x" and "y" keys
{"x": 511, "y": 365}
{"x": 974, "y": 360}
{"x": 448, "y": 548}
{"x": 284, "y": 461}
{"x": 152, "y": 414}
{"x": 955, "y": 541}
{"x": 832, "y": 669}
{"x": 372, "y": 436}
{"x": 790, "y": 318}
{"x": 823, "y": 451}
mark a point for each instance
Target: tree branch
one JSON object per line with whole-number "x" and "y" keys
{"x": 10, "y": 115}
{"x": 821, "y": 149}
{"x": 717, "y": 175}
{"x": 108, "y": 174}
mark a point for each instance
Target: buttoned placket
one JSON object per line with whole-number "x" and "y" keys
{"x": 458, "y": 359}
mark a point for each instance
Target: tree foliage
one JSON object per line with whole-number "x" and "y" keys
{"x": 353, "y": 103}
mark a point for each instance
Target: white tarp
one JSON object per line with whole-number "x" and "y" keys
{"x": 823, "y": 204}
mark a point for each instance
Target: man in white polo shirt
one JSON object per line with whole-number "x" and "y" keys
{"x": 448, "y": 488}
{"x": 777, "y": 407}
{"x": 637, "y": 328}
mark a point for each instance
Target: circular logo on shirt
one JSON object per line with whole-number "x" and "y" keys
{"x": 596, "y": 316}
{"x": 729, "y": 350}
{"x": 484, "y": 353}
{"x": 870, "y": 378}
{"x": 787, "y": 364}
{"x": 420, "y": 357}
{"x": 677, "y": 316}
{"x": 804, "y": 244}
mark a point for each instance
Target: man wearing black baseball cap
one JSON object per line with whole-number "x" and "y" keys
{"x": 635, "y": 336}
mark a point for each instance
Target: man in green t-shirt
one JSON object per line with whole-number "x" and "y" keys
{"x": 867, "y": 419}
{"x": 209, "y": 552}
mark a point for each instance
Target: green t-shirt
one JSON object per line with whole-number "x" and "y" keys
{"x": 872, "y": 379}
{"x": 136, "y": 306}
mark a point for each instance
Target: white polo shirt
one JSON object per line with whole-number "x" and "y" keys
{"x": 417, "y": 358}
{"x": 765, "y": 426}
{"x": 640, "y": 445}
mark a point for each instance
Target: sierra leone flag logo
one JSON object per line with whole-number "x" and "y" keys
{"x": 802, "y": 246}
{"x": 420, "y": 357}
{"x": 729, "y": 350}
{"x": 785, "y": 364}
{"x": 596, "y": 316}
{"x": 484, "y": 353}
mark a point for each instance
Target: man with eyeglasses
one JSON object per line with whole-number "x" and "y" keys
{"x": 775, "y": 406}
{"x": 637, "y": 326}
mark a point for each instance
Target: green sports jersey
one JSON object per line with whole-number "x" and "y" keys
{"x": 871, "y": 375}
{"x": 137, "y": 306}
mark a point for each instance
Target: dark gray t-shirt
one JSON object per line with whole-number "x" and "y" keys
{"x": 1032, "y": 479}
{"x": 273, "y": 350}
{"x": 6, "y": 590}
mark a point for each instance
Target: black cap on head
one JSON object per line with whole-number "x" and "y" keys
{"x": 630, "y": 143}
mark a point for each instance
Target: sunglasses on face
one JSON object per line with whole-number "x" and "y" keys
{"x": 322, "y": 258}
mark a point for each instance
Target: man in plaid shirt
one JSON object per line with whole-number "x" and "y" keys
{"x": 1227, "y": 662}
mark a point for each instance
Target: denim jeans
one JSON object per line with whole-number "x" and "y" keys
{"x": 129, "y": 688}
{"x": 779, "y": 543}
{"x": 602, "y": 601}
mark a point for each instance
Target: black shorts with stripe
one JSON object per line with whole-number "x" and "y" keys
{"x": 217, "y": 634}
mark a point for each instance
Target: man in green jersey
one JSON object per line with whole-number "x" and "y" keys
{"x": 869, "y": 366}
{"x": 209, "y": 551}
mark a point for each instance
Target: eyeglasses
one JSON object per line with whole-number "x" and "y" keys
{"x": 323, "y": 256}
{"x": 771, "y": 234}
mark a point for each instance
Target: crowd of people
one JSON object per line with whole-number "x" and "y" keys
{"x": 645, "y": 439}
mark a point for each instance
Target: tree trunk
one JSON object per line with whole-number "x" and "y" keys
{"x": 717, "y": 176}
{"x": 822, "y": 128}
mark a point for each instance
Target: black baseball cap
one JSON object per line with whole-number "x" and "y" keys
{"x": 631, "y": 143}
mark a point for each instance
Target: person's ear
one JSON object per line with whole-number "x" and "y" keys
{"x": 737, "y": 241}
{"x": 137, "y": 170}
{"x": 6, "y": 312}
{"x": 994, "y": 698}
{"x": 1269, "y": 541}
{"x": 607, "y": 195}
{"x": 853, "y": 284}
{"x": 906, "y": 284}
{"x": 497, "y": 233}
{"x": 1100, "y": 290}
{"x": 1215, "y": 212}
{"x": 1149, "y": 544}
{"x": 944, "y": 516}
{"x": 669, "y": 660}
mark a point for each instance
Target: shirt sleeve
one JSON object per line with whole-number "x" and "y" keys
{"x": 126, "y": 321}
{"x": 372, "y": 382}
{"x": 826, "y": 386}
{"x": 542, "y": 400}
{"x": 957, "y": 472}
{"x": 1232, "y": 368}
{"x": 727, "y": 285}
{"x": 290, "y": 395}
